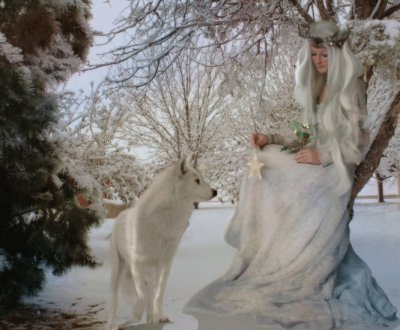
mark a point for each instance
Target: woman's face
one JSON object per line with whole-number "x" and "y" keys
{"x": 320, "y": 59}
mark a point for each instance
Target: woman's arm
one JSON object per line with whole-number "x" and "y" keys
{"x": 261, "y": 140}
{"x": 305, "y": 156}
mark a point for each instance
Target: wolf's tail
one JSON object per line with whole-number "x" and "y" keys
{"x": 113, "y": 209}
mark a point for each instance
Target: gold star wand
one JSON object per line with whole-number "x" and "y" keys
{"x": 255, "y": 166}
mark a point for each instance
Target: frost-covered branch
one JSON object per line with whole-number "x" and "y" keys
{"x": 157, "y": 32}
{"x": 9, "y": 52}
{"x": 93, "y": 150}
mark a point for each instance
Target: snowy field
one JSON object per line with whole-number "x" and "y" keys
{"x": 203, "y": 256}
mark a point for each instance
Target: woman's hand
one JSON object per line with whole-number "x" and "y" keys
{"x": 308, "y": 156}
{"x": 259, "y": 140}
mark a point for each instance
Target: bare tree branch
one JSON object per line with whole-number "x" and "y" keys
{"x": 329, "y": 7}
{"x": 158, "y": 31}
{"x": 308, "y": 19}
{"x": 322, "y": 10}
{"x": 370, "y": 9}
{"x": 379, "y": 9}
{"x": 390, "y": 11}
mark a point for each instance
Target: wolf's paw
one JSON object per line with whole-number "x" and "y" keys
{"x": 128, "y": 324}
{"x": 153, "y": 319}
{"x": 164, "y": 319}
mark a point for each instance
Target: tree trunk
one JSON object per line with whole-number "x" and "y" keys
{"x": 398, "y": 179}
{"x": 379, "y": 181}
{"x": 364, "y": 8}
{"x": 367, "y": 168}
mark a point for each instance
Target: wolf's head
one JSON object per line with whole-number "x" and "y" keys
{"x": 190, "y": 183}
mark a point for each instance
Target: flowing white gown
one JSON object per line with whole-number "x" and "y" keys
{"x": 294, "y": 267}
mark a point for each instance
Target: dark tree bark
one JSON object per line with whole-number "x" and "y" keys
{"x": 366, "y": 169}
{"x": 398, "y": 179}
{"x": 363, "y": 9}
{"x": 379, "y": 182}
{"x": 390, "y": 11}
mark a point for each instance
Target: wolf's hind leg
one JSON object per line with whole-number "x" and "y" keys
{"x": 152, "y": 280}
{"x": 116, "y": 271}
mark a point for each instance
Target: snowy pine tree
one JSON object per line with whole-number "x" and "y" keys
{"x": 42, "y": 226}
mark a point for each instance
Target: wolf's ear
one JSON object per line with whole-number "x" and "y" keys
{"x": 183, "y": 166}
{"x": 186, "y": 163}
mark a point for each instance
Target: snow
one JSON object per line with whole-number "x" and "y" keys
{"x": 104, "y": 14}
{"x": 11, "y": 53}
{"x": 203, "y": 255}
{"x": 391, "y": 30}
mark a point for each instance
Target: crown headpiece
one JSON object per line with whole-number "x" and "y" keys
{"x": 326, "y": 33}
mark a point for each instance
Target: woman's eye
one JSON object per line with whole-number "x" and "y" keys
{"x": 325, "y": 55}
{"x": 197, "y": 181}
{"x": 313, "y": 54}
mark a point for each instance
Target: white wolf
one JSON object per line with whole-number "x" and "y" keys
{"x": 145, "y": 238}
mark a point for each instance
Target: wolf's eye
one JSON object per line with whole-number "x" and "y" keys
{"x": 197, "y": 181}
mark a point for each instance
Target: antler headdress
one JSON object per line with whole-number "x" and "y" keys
{"x": 326, "y": 33}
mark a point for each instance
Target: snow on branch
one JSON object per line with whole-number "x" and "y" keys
{"x": 156, "y": 32}
{"x": 93, "y": 151}
{"x": 12, "y": 54}
{"x": 53, "y": 35}
{"x": 377, "y": 44}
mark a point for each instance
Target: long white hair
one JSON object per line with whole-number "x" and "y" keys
{"x": 338, "y": 132}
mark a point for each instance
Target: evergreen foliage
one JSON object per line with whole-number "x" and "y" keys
{"x": 42, "y": 227}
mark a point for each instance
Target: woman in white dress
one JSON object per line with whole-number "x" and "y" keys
{"x": 295, "y": 267}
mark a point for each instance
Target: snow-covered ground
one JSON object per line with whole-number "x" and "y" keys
{"x": 203, "y": 256}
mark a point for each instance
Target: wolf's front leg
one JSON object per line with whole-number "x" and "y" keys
{"x": 151, "y": 280}
{"x": 159, "y": 295}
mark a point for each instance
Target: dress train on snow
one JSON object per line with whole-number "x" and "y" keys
{"x": 294, "y": 267}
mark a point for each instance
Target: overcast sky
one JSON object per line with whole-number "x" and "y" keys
{"x": 104, "y": 14}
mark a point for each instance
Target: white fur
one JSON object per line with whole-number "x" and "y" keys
{"x": 145, "y": 238}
